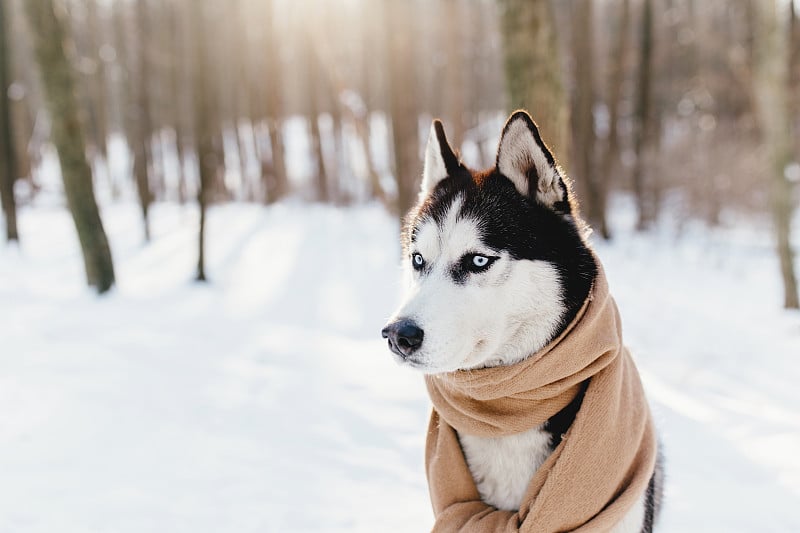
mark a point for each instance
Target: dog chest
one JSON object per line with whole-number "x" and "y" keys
{"x": 504, "y": 466}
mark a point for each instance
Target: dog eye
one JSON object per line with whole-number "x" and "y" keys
{"x": 417, "y": 261}
{"x": 480, "y": 261}
{"x": 477, "y": 262}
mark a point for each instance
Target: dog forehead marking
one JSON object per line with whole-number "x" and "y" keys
{"x": 450, "y": 238}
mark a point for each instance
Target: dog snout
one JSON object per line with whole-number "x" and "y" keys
{"x": 404, "y": 337}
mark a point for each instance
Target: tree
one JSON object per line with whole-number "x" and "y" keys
{"x": 313, "y": 81}
{"x": 98, "y": 97}
{"x": 584, "y": 169}
{"x": 142, "y": 151}
{"x": 24, "y": 94}
{"x": 644, "y": 119}
{"x": 121, "y": 72}
{"x": 8, "y": 167}
{"x": 533, "y": 69}
{"x": 50, "y": 42}
{"x": 614, "y": 97}
{"x": 771, "y": 83}
{"x": 454, "y": 101}
{"x": 204, "y": 130}
{"x": 794, "y": 78}
{"x": 98, "y": 86}
{"x": 275, "y": 180}
{"x": 402, "y": 102}
{"x": 174, "y": 40}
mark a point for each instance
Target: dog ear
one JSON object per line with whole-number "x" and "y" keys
{"x": 523, "y": 158}
{"x": 440, "y": 161}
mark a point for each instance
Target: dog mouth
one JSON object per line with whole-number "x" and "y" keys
{"x": 423, "y": 364}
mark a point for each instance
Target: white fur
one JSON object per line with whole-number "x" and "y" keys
{"x": 518, "y": 153}
{"x": 504, "y": 466}
{"x": 496, "y": 317}
{"x": 633, "y": 521}
{"x": 434, "y": 170}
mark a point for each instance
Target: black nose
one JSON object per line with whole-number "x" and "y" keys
{"x": 404, "y": 337}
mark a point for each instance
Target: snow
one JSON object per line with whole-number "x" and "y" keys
{"x": 267, "y": 401}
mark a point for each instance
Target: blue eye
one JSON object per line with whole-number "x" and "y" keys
{"x": 417, "y": 261}
{"x": 477, "y": 263}
{"x": 480, "y": 261}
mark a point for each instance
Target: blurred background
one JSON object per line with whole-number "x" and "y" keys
{"x": 231, "y": 176}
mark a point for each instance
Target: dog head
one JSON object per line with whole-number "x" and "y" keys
{"x": 495, "y": 261}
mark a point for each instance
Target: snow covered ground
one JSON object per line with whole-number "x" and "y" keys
{"x": 267, "y": 401}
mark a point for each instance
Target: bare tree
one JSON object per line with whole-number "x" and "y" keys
{"x": 142, "y": 149}
{"x": 644, "y": 120}
{"x": 402, "y": 102}
{"x": 794, "y": 78}
{"x": 533, "y": 69}
{"x": 121, "y": 71}
{"x": 175, "y": 39}
{"x": 97, "y": 81}
{"x": 50, "y": 42}
{"x": 243, "y": 116}
{"x": 276, "y": 179}
{"x": 771, "y": 82}
{"x": 205, "y": 128}
{"x": 454, "y": 104}
{"x": 8, "y": 168}
{"x": 24, "y": 93}
{"x": 313, "y": 82}
{"x": 584, "y": 170}
{"x": 614, "y": 97}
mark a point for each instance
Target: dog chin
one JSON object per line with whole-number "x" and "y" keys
{"x": 422, "y": 364}
{"x": 475, "y": 359}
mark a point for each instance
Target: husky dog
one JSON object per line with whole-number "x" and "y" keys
{"x": 497, "y": 265}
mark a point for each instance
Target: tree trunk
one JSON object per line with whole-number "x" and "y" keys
{"x": 361, "y": 124}
{"x": 204, "y": 128}
{"x": 402, "y": 103}
{"x": 584, "y": 170}
{"x": 794, "y": 78}
{"x": 23, "y": 107}
{"x": 142, "y": 152}
{"x": 50, "y": 41}
{"x": 615, "y": 80}
{"x": 175, "y": 42}
{"x": 644, "y": 122}
{"x": 27, "y": 149}
{"x": 276, "y": 182}
{"x": 8, "y": 167}
{"x": 771, "y": 81}
{"x": 454, "y": 70}
{"x": 122, "y": 90}
{"x": 341, "y": 181}
{"x": 97, "y": 82}
{"x": 313, "y": 81}
{"x": 101, "y": 91}
{"x": 533, "y": 70}
{"x": 321, "y": 178}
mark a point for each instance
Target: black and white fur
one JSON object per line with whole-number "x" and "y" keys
{"x": 497, "y": 265}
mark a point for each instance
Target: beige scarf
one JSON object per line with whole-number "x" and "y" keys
{"x": 599, "y": 470}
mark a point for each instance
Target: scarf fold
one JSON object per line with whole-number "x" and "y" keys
{"x": 601, "y": 467}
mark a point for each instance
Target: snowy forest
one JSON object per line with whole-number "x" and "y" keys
{"x": 201, "y": 207}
